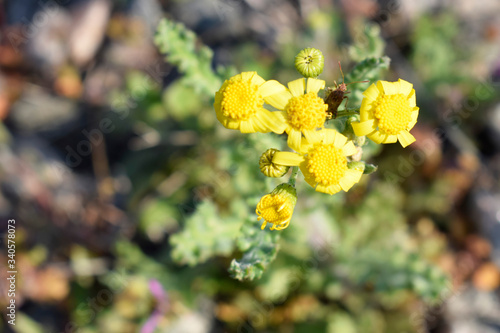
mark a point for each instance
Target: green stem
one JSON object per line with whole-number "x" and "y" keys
{"x": 293, "y": 177}
{"x": 348, "y": 112}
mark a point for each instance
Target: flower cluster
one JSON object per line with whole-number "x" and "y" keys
{"x": 329, "y": 160}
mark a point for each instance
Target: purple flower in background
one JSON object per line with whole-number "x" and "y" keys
{"x": 161, "y": 306}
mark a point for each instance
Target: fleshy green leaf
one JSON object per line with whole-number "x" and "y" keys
{"x": 260, "y": 248}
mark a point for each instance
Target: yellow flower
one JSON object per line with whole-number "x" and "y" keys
{"x": 239, "y": 104}
{"x": 324, "y": 162}
{"x": 277, "y": 207}
{"x": 303, "y": 113}
{"x": 388, "y": 111}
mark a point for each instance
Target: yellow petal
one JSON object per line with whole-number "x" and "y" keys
{"x": 328, "y": 189}
{"x": 280, "y": 115}
{"x": 312, "y": 136}
{"x": 364, "y": 127}
{"x": 364, "y": 111}
{"x": 294, "y": 139}
{"x": 218, "y": 102}
{"x": 405, "y": 87}
{"x": 229, "y": 123}
{"x": 238, "y": 77}
{"x": 371, "y": 93}
{"x": 389, "y": 88}
{"x": 391, "y": 138}
{"x": 287, "y": 158}
{"x": 270, "y": 88}
{"x": 247, "y": 126}
{"x": 414, "y": 116}
{"x": 221, "y": 118}
{"x": 405, "y": 138}
{"x": 246, "y": 76}
{"x": 279, "y": 100}
{"x": 305, "y": 146}
{"x": 339, "y": 140}
{"x": 257, "y": 79}
{"x": 262, "y": 123}
{"x": 315, "y": 85}
{"x": 270, "y": 121}
{"x": 297, "y": 87}
{"x": 350, "y": 178}
{"x": 329, "y": 135}
{"x": 349, "y": 149}
{"x": 307, "y": 175}
{"x": 412, "y": 99}
{"x": 377, "y": 137}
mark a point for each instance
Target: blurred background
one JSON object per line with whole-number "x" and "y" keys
{"x": 131, "y": 200}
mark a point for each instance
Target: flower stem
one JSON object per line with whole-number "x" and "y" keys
{"x": 348, "y": 112}
{"x": 293, "y": 177}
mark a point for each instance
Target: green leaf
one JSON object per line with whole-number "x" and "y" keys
{"x": 370, "y": 168}
{"x": 370, "y": 43}
{"x": 193, "y": 61}
{"x": 368, "y": 69}
{"x": 205, "y": 235}
{"x": 260, "y": 248}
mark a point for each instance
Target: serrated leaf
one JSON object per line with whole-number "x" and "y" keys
{"x": 204, "y": 236}
{"x": 193, "y": 61}
{"x": 260, "y": 248}
{"x": 372, "y": 45}
{"x": 367, "y": 70}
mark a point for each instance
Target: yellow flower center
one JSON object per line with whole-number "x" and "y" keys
{"x": 327, "y": 164}
{"x": 241, "y": 100}
{"x": 275, "y": 209}
{"x": 306, "y": 112}
{"x": 393, "y": 113}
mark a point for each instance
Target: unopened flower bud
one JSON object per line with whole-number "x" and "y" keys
{"x": 310, "y": 62}
{"x": 270, "y": 169}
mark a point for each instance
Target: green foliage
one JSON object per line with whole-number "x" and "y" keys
{"x": 368, "y": 44}
{"x": 436, "y": 50}
{"x": 195, "y": 63}
{"x": 350, "y": 262}
{"x": 157, "y": 218}
{"x": 366, "y": 268}
{"x": 205, "y": 235}
{"x": 368, "y": 69}
{"x": 259, "y": 248}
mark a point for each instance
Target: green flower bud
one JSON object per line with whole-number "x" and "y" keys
{"x": 270, "y": 169}
{"x": 310, "y": 62}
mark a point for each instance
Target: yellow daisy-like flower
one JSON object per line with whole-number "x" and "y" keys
{"x": 388, "y": 111}
{"x": 277, "y": 207}
{"x": 302, "y": 112}
{"x": 324, "y": 162}
{"x": 239, "y": 104}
